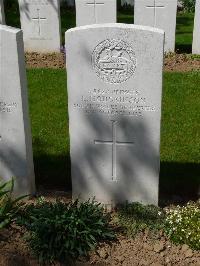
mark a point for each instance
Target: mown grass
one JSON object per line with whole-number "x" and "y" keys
{"x": 180, "y": 142}
{"x": 48, "y": 109}
{"x": 184, "y": 30}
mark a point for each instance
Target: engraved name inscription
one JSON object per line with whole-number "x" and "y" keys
{"x": 39, "y": 2}
{"x": 114, "y": 61}
{"x": 114, "y": 102}
{"x": 6, "y": 107}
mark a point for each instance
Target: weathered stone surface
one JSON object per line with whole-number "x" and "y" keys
{"x": 196, "y": 34}
{"x": 114, "y": 91}
{"x": 159, "y": 14}
{"x": 2, "y": 14}
{"x": 40, "y": 22}
{"x": 15, "y": 135}
{"x": 95, "y": 12}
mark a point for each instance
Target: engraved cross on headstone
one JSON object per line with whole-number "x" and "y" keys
{"x": 95, "y": 4}
{"x": 114, "y": 143}
{"x": 39, "y": 19}
{"x": 155, "y": 7}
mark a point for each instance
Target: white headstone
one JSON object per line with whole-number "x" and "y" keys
{"x": 40, "y": 22}
{"x": 15, "y": 135}
{"x": 159, "y": 14}
{"x": 196, "y": 34}
{"x": 95, "y": 12}
{"x": 114, "y": 90}
{"x": 2, "y": 14}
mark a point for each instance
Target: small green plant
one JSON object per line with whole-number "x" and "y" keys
{"x": 9, "y": 205}
{"x": 135, "y": 217}
{"x": 60, "y": 231}
{"x": 183, "y": 225}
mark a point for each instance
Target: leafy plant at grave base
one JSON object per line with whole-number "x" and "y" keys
{"x": 135, "y": 217}
{"x": 60, "y": 231}
{"x": 9, "y": 206}
{"x": 183, "y": 225}
{"x": 188, "y": 5}
{"x": 194, "y": 56}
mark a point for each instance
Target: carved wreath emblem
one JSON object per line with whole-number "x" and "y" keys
{"x": 114, "y": 61}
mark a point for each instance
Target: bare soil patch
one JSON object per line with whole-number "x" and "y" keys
{"x": 181, "y": 63}
{"x": 38, "y": 60}
{"x": 143, "y": 250}
{"x": 173, "y": 62}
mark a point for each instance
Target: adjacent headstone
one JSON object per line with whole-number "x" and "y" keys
{"x": 2, "y": 14}
{"x": 40, "y": 22}
{"x": 95, "y": 12}
{"x": 15, "y": 135}
{"x": 160, "y": 14}
{"x": 196, "y": 34}
{"x": 114, "y": 91}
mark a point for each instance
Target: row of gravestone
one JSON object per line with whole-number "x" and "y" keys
{"x": 40, "y": 20}
{"x": 114, "y": 76}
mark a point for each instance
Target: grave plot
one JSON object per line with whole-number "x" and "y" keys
{"x": 114, "y": 112}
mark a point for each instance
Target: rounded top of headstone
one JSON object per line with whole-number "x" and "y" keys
{"x": 117, "y": 25}
{"x": 9, "y": 29}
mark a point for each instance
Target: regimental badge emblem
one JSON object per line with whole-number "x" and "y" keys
{"x": 114, "y": 61}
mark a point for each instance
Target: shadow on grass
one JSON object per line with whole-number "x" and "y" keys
{"x": 184, "y": 20}
{"x": 183, "y": 48}
{"x": 52, "y": 172}
{"x": 179, "y": 182}
{"x": 12, "y": 13}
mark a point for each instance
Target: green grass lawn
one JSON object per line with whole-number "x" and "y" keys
{"x": 48, "y": 109}
{"x": 180, "y": 142}
{"x": 184, "y": 33}
{"x": 184, "y": 30}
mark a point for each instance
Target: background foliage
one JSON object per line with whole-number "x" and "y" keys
{"x": 188, "y": 5}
